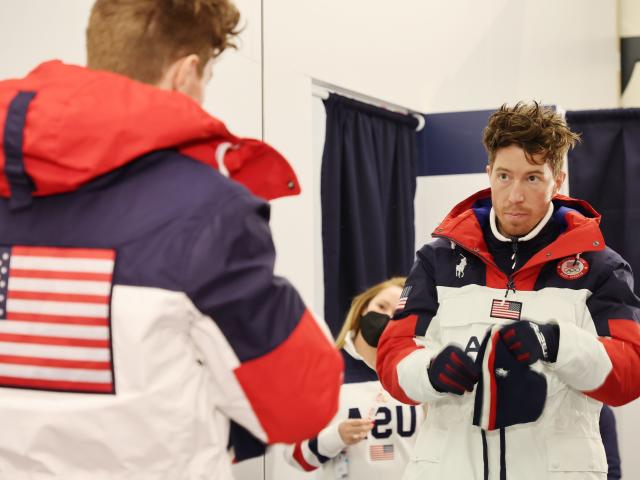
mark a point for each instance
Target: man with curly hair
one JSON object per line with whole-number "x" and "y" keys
{"x": 139, "y": 312}
{"x": 516, "y": 323}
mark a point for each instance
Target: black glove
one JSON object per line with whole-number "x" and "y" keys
{"x": 529, "y": 342}
{"x": 453, "y": 371}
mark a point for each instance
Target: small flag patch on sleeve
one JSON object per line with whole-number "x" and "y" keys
{"x": 55, "y": 329}
{"x": 506, "y": 309}
{"x": 402, "y": 302}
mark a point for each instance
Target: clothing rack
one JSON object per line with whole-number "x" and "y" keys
{"x": 323, "y": 90}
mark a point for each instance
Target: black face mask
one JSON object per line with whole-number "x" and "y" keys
{"x": 372, "y": 325}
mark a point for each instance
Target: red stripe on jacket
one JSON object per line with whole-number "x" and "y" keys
{"x": 395, "y": 344}
{"x": 299, "y": 457}
{"x": 623, "y": 383}
{"x": 293, "y": 404}
{"x": 493, "y": 402}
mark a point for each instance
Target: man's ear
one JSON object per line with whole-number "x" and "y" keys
{"x": 177, "y": 75}
{"x": 559, "y": 180}
{"x": 185, "y": 72}
{"x": 488, "y": 170}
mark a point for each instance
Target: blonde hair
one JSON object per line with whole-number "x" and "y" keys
{"x": 360, "y": 303}
{"x": 142, "y": 38}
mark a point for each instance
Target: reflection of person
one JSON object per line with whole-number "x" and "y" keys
{"x": 610, "y": 441}
{"x": 139, "y": 310}
{"x": 537, "y": 274}
{"x": 372, "y": 435}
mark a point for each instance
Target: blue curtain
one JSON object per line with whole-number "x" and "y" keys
{"x": 368, "y": 185}
{"x": 605, "y": 171}
{"x": 610, "y": 442}
{"x": 451, "y": 143}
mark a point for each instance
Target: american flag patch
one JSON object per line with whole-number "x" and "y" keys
{"x": 381, "y": 452}
{"x": 402, "y": 302}
{"x": 506, "y": 309}
{"x": 55, "y": 329}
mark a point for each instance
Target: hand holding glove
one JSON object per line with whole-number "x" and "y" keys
{"x": 529, "y": 342}
{"x": 453, "y": 371}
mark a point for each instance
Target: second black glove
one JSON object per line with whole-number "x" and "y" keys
{"x": 529, "y": 341}
{"x": 453, "y": 371}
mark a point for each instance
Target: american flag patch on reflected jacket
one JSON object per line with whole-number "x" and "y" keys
{"x": 402, "y": 302}
{"x": 506, "y": 309}
{"x": 381, "y": 452}
{"x": 55, "y": 331}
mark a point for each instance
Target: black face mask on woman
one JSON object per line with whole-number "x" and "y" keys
{"x": 372, "y": 325}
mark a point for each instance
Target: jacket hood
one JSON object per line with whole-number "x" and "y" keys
{"x": 66, "y": 125}
{"x": 582, "y": 231}
{"x": 465, "y": 207}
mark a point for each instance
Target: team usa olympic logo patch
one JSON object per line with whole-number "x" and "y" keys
{"x": 572, "y": 268}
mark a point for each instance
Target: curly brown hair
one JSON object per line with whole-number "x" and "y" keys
{"x": 141, "y": 38}
{"x": 535, "y": 128}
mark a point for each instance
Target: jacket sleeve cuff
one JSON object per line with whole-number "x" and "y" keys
{"x": 330, "y": 443}
{"x": 582, "y": 361}
{"x": 413, "y": 378}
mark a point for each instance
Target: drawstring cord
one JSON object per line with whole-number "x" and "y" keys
{"x": 511, "y": 287}
{"x": 503, "y": 455}
{"x": 514, "y": 247}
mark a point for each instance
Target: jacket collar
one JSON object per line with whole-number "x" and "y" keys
{"x": 532, "y": 234}
{"x": 582, "y": 233}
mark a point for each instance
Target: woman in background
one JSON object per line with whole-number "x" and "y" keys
{"x": 373, "y": 434}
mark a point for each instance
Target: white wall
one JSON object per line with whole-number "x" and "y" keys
{"x": 629, "y": 26}
{"x": 455, "y": 55}
{"x": 437, "y": 195}
{"x": 35, "y": 30}
{"x": 235, "y": 92}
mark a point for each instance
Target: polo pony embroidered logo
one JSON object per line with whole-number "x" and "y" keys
{"x": 461, "y": 266}
{"x": 572, "y": 268}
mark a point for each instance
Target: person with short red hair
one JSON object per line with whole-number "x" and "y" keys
{"x": 139, "y": 311}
